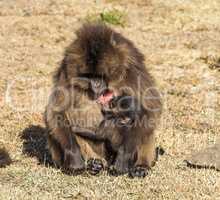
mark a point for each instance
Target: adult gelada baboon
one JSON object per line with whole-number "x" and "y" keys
{"x": 101, "y": 71}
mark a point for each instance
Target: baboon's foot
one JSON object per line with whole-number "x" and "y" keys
{"x": 138, "y": 171}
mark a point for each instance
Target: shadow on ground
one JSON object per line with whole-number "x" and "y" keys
{"x": 35, "y": 144}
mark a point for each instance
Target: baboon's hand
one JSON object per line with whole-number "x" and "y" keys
{"x": 94, "y": 166}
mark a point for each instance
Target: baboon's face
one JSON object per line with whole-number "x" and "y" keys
{"x": 115, "y": 74}
{"x": 96, "y": 86}
{"x": 103, "y": 58}
{"x": 103, "y": 75}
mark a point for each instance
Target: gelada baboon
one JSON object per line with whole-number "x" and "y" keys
{"x": 101, "y": 71}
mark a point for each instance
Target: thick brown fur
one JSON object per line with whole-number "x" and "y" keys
{"x": 4, "y": 158}
{"x": 98, "y": 50}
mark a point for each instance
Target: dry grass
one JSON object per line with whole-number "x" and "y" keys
{"x": 181, "y": 42}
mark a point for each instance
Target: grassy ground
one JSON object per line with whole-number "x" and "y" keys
{"x": 181, "y": 42}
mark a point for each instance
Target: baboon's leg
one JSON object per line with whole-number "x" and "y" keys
{"x": 125, "y": 154}
{"x": 93, "y": 145}
{"x": 91, "y": 149}
{"x": 55, "y": 151}
{"x": 94, "y": 153}
{"x": 65, "y": 150}
{"x": 146, "y": 152}
{"x": 122, "y": 162}
{"x": 146, "y": 155}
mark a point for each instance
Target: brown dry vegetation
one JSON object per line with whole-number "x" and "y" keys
{"x": 181, "y": 42}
